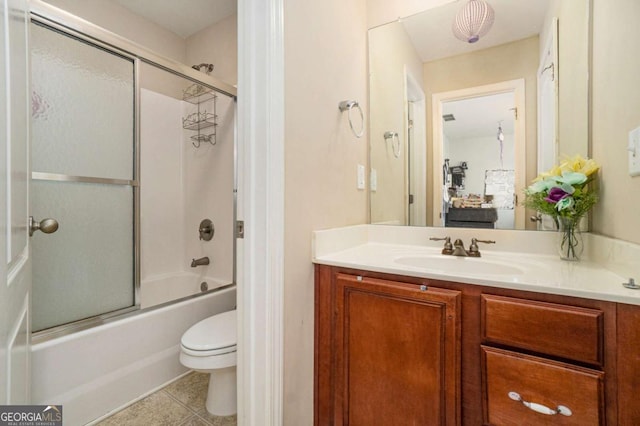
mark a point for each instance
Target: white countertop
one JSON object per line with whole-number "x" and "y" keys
{"x": 367, "y": 248}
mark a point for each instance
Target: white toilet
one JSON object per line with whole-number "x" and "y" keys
{"x": 210, "y": 347}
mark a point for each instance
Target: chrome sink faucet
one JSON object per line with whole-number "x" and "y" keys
{"x": 448, "y": 248}
{"x": 457, "y": 248}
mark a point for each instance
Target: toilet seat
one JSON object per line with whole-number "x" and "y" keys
{"x": 213, "y": 352}
{"x": 212, "y": 336}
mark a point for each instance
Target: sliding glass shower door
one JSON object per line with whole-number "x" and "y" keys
{"x": 83, "y": 176}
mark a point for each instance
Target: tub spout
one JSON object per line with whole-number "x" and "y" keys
{"x": 199, "y": 262}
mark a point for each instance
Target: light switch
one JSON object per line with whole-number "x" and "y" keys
{"x": 360, "y": 176}
{"x": 374, "y": 180}
{"x": 634, "y": 152}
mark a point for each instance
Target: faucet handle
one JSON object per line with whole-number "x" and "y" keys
{"x": 473, "y": 248}
{"x": 448, "y": 247}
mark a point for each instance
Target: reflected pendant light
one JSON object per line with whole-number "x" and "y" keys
{"x": 501, "y": 141}
{"x": 473, "y": 21}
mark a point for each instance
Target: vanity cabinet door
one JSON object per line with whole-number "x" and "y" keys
{"x": 523, "y": 390}
{"x": 397, "y": 353}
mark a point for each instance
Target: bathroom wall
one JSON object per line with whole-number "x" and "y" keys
{"x": 207, "y": 191}
{"x": 161, "y": 177}
{"x": 180, "y": 186}
{"x": 501, "y": 63}
{"x": 120, "y": 20}
{"x": 390, "y": 53}
{"x": 615, "y": 111}
{"x": 325, "y": 63}
{"x": 217, "y": 44}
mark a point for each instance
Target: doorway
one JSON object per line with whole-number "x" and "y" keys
{"x": 492, "y": 173}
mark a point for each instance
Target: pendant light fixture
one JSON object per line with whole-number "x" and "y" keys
{"x": 500, "y": 136}
{"x": 473, "y": 21}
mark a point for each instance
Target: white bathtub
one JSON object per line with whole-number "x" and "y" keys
{"x": 160, "y": 289}
{"x": 96, "y": 371}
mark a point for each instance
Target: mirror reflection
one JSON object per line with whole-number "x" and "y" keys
{"x": 510, "y": 117}
{"x": 480, "y": 193}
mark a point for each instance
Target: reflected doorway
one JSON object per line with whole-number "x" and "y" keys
{"x": 479, "y": 152}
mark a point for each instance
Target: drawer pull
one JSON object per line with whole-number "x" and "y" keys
{"x": 539, "y": 408}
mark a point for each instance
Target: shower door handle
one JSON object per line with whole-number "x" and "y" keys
{"x": 48, "y": 225}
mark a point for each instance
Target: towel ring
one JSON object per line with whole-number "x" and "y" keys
{"x": 395, "y": 141}
{"x": 348, "y": 106}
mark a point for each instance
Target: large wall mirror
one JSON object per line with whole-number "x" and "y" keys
{"x": 457, "y": 129}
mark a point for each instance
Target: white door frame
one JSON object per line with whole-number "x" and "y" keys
{"x": 15, "y": 260}
{"x": 261, "y": 206}
{"x": 515, "y": 86}
{"x": 416, "y": 149}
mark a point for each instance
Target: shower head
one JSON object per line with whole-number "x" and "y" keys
{"x": 206, "y": 68}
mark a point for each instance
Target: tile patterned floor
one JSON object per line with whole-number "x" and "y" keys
{"x": 180, "y": 403}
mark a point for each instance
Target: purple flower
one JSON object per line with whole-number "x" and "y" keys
{"x": 556, "y": 194}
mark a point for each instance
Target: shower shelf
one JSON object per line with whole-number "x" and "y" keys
{"x": 197, "y": 94}
{"x": 199, "y": 120}
{"x": 199, "y": 138}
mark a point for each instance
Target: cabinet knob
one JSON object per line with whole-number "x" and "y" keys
{"x": 539, "y": 408}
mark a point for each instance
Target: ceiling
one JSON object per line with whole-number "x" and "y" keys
{"x": 182, "y": 17}
{"x": 430, "y": 31}
{"x": 479, "y": 117}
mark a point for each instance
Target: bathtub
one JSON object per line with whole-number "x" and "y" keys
{"x": 96, "y": 371}
{"x": 160, "y": 289}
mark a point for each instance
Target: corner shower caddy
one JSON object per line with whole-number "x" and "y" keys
{"x": 197, "y": 94}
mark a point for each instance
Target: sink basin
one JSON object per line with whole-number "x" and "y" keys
{"x": 471, "y": 265}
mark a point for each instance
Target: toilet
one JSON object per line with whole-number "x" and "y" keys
{"x": 210, "y": 347}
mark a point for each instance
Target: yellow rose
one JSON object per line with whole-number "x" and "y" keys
{"x": 589, "y": 167}
{"x": 579, "y": 164}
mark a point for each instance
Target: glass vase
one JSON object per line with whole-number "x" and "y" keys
{"x": 569, "y": 239}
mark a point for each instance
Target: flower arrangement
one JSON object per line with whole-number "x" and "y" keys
{"x": 564, "y": 194}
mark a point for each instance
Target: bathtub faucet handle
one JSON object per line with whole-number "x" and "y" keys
{"x": 199, "y": 262}
{"x": 206, "y": 230}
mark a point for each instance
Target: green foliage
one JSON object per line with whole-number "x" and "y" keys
{"x": 583, "y": 201}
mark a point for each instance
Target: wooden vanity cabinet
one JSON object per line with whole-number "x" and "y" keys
{"x": 390, "y": 355}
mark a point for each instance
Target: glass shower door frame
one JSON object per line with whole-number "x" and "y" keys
{"x": 65, "y": 329}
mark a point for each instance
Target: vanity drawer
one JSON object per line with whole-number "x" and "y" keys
{"x": 510, "y": 379}
{"x": 558, "y": 330}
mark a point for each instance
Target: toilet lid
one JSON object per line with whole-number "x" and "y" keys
{"x": 216, "y": 332}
